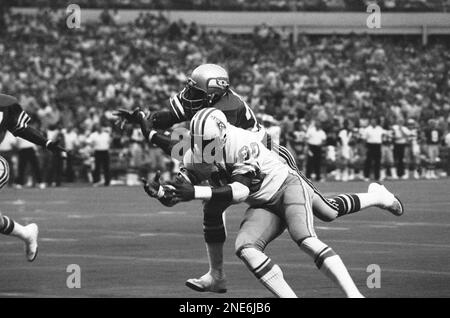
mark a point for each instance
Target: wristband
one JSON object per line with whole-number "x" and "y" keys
{"x": 202, "y": 192}
{"x": 151, "y": 134}
{"x": 47, "y": 143}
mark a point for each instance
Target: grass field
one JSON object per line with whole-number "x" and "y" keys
{"x": 130, "y": 246}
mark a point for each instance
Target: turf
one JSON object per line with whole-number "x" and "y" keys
{"x": 128, "y": 245}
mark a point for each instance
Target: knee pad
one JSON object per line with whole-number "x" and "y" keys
{"x": 315, "y": 248}
{"x": 258, "y": 262}
{"x": 214, "y": 234}
{"x": 214, "y": 230}
{"x": 4, "y": 172}
{"x": 239, "y": 249}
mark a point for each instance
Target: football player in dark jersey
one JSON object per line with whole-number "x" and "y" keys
{"x": 15, "y": 120}
{"x": 208, "y": 86}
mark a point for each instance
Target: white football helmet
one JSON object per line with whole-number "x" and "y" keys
{"x": 206, "y": 85}
{"x": 208, "y": 130}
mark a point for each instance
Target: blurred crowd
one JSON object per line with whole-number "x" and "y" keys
{"x": 251, "y": 5}
{"x": 71, "y": 80}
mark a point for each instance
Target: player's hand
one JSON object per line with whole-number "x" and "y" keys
{"x": 154, "y": 188}
{"x": 133, "y": 117}
{"x": 183, "y": 189}
{"x": 54, "y": 147}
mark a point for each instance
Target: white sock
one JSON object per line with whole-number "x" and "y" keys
{"x": 19, "y": 231}
{"x": 368, "y": 199}
{"x": 215, "y": 258}
{"x": 330, "y": 264}
{"x": 334, "y": 269}
{"x": 270, "y": 275}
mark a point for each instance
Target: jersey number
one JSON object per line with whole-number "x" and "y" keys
{"x": 434, "y": 136}
{"x": 245, "y": 153}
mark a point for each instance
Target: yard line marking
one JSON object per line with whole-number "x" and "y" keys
{"x": 381, "y": 226}
{"x": 332, "y": 228}
{"x": 396, "y": 223}
{"x": 78, "y": 216}
{"x": 118, "y": 237}
{"x": 170, "y": 234}
{"x": 392, "y": 243}
{"x": 13, "y": 294}
{"x": 96, "y": 231}
{"x": 234, "y": 233}
{"x": 234, "y": 263}
{"x": 33, "y": 202}
{"x": 171, "y": 212}
{"x": 50, "y": 239}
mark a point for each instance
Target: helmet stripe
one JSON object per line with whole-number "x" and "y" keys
{"x": 194, "y": 121}
{"x": 200, "y": 121}
{"x": 202, "y": 132}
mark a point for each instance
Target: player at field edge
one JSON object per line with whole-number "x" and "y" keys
{"x": 14, "y": 119}
{"x": 208, "y": 86}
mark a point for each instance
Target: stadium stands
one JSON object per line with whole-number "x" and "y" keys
{"x": 81, "y": 75}
{"x": 252, "y": 5}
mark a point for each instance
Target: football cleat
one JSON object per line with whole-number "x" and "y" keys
{"x": 31, "y": 243}
{"x": 390, "y": 202}
{"x": 207, "y": 283}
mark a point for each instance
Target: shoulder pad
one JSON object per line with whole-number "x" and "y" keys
{"x": 230, "y": 101}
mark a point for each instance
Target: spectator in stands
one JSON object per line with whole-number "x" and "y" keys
{"x": 387, "y": 152}
{"x": 447, "y": 145}
{"x": 296, "y": 143}
{"x": 433, "y": 137}
{"x": 54, "y": 162}
{"x": 344, "y": 152}
{"x": 27, "y": 155}
{"x": 71, "y": 142}
{"x": 80, "y": 77}
{"x": 100, "y": 140}
{"x": 315, "y": 139}
{"x": 401, "y": 135}
{"x": 373, "y": 135}
{"x": 412, "y": 150}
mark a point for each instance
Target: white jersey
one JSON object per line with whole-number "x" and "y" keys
{"x": 345, "y": 136}
{"x": 243, "y": 155}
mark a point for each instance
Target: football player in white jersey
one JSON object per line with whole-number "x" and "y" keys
{"x": 244, "y": 170}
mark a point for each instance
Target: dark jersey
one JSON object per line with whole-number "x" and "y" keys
{"x": 433, "y": 136}
{"x": 388, "y": 137}
{"x": 238, "y": 113}
{"x": 12, "y": 117}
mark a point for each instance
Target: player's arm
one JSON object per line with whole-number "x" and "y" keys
{"x": 36, "y": 137}
{"x": 163, "y": 119}
{"x": 17, "y": 124}
{"x": 234, "y": 192}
